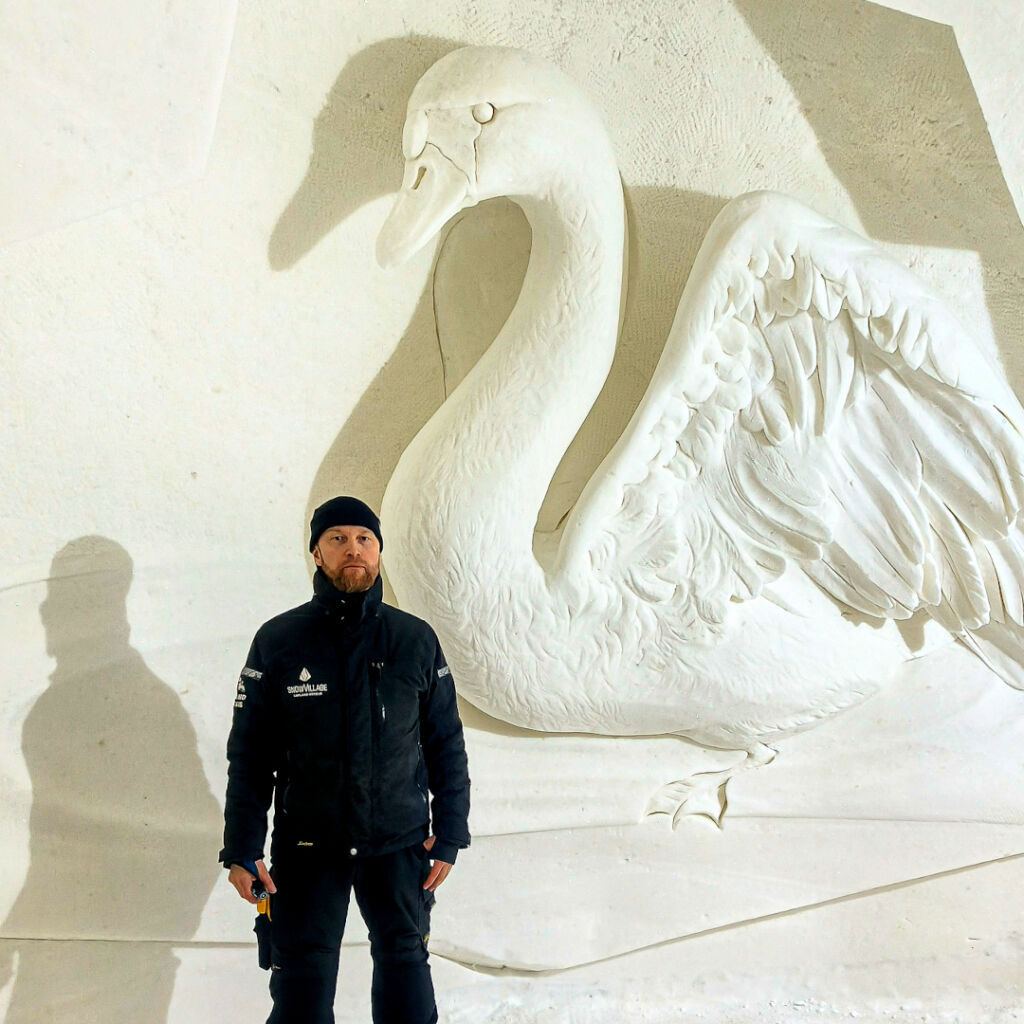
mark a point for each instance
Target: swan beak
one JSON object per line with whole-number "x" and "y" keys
{"x": 433, "y": 191}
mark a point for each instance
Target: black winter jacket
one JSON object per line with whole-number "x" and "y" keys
{"x": 347, "y": 720}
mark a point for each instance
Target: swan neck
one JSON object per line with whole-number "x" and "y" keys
{"x": 470, "y": 486}
{"x": 528, "y": 396}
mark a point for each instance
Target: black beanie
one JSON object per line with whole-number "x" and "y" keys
{"x": 343, "y": 511}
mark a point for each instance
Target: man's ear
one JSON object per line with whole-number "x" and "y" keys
{"x": 316, "y": 555}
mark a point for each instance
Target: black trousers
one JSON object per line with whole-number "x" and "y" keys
{"x": 308, "y": 915}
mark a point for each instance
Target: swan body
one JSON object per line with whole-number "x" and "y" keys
{"x": 822, "y": 450}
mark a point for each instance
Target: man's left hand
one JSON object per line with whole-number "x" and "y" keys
{"x": 439, "y": 871}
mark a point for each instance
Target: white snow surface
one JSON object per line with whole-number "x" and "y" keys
{"x": 197, "y": 347}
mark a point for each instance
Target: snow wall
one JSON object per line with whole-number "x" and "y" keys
{"x": 198, "y": 347}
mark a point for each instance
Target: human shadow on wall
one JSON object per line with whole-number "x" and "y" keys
{"x": 123, "y": 826}
{"x": 479, "y": 266}
{"x": 898, "y": 120}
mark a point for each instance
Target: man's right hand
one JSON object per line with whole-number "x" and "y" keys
{"x": 242, "y": 880}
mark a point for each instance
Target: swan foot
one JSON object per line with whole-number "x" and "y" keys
{"x": 704, "y": 795}
{"x": 701, "y": 796}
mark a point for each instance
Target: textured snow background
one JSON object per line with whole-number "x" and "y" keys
{"x": 198, "y": 347}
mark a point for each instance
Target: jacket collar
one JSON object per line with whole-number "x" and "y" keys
{"x": 327, "y": 596}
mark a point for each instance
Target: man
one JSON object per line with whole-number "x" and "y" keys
{"x": 345, "y": 714}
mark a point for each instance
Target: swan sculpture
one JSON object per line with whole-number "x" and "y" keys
{"x": 822, "y": 449}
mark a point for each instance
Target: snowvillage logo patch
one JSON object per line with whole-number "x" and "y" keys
{"x": 307, "y": 688}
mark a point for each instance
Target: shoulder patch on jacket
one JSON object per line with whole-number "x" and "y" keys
{"x": 444, "y": 671}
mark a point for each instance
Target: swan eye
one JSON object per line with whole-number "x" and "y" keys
{"x": 414, "y": 135}
{"x": 482, "y": 113}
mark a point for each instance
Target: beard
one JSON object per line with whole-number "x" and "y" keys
{"x": 353, "y": 578}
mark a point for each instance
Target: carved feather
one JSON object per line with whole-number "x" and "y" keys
{"x": 840, "y": 419}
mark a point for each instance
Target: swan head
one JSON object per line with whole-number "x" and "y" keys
{"x": 484, "y": 121}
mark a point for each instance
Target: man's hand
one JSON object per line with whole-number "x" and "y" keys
{"x": 439, "y": 872}
{"x": 242, "y": 880}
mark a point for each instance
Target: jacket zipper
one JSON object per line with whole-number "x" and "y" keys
{"x": 346, "y": 774}
{"x": 376, "y": 668}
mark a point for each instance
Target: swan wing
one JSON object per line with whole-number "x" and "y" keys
{"x": 817, "y": 404}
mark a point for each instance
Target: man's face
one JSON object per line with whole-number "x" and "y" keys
{"x": 349, "y": 557}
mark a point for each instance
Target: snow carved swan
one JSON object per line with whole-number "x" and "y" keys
{"x": 822, "y": 448}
